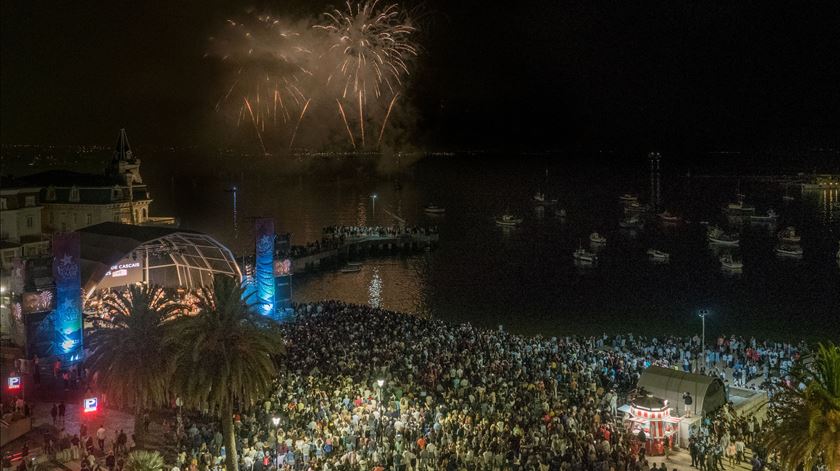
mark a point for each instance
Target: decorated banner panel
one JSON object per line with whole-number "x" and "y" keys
{"x": 264, "y": 266}
{"x": 67, "y": 315}
{"x": 125, "y": 272}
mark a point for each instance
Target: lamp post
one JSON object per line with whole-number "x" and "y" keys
{"x": 276, "y": 421}
{"x": 703, "y": 313}
{"x": 373, "y": 204}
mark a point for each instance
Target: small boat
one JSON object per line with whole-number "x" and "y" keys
{"x": 770, "y": 217}
{"x": 596, "y": 238}
{"x": 584, "y": 256}
{"x": 628, "y": 198}
{"x": 351, "y": 269}
{"x": 669, "y": 218}
{"x": 354, "y": 264}
{"x": 508, "y": 220}
{"x": 784, "y": 250}
{"x": 730, "y": 264}
{"x": 632, "y": 222}
{"x": 541, "y": 199}
{"x": 561, "y": 213}
{"x": 788, "y": 198}
{"x": 789, "y": 235}
{"x": 739, "y": 208}
{"x": 658, "y": 255}
{"x": 716, "y": 235}
{"x": 433, "y": 209}
{"x": 635, "y": 208}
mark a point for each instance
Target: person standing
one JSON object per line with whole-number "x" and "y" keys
{"x": 62, "y": 409}
{"x": 740, "y": 447}
{"x": 100, "y": 437}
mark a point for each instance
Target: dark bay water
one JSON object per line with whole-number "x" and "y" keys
{"x": 525, "y": 278}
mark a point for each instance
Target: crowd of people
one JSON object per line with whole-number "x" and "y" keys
{"x": 456, "y": 397}
{"x": 333, "y": 237}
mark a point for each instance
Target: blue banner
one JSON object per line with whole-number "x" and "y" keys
{"x": 264, "y": 266}
{"x": 67, "y": 316}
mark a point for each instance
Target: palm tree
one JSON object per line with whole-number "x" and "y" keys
{"x": 228, "y": 358}
{"x": 127, "y": 350}
{"x": 807, "y": 428}
{"x": 141, "y": 460}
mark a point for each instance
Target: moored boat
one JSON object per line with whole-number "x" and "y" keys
{"x": 716, "y": 235}
{"x": 433, "y": 209}
{"x": 785, "y": 250}
{"x": 665, "y": 216}
{"x": 543, "y": 200}
{"x": 789, "y": 235}
{"x": 632, "y": 222}
{"x": 596, "y": 238}
{"x": 584, "y": 256}
{"x": 628, "y": 198}
{"x": 739, "y": 208}
{"x": 508, "y": 220}
{"x": 351, "y": 269}
{"x": 730, "y": 264}
{"x": 658, "y": 255}
{"x": 770, "y": 217}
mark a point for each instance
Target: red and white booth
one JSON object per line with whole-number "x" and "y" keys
{"x": 652, "y": 416}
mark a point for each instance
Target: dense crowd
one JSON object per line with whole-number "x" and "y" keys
{"x": 335, "y": 236}
{"x": 456, "y": 397}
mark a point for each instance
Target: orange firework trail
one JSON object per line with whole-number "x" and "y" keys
{"x": 347, "y": 126}
{"x": 302, "y": 112}
{"x": 385, "y": 121}
{"x": 256, "y": 128}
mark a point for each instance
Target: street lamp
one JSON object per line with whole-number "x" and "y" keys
{"x": 380, "y": 382}
{"x": 373, "y": 203}
{"x": 703, "y": 313}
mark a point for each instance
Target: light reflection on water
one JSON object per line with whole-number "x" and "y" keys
{"x": 525, "y": 277}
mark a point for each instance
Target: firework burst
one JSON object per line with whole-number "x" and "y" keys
{"x": 374, "y": 45}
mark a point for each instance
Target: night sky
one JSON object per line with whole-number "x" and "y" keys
{"x": 524, "y": 75}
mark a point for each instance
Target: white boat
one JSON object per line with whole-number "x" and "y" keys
{"x": 739, "y": 208}
{"x": 584, "y": 256}
{"x": 596, "y": 238}
{"x": 351, "y": 269}
{"x": 508, "y": 220}
{"x": 788, "y": 235}
{"x": 770, "y": 217}
{"x": 635, "y": 208}
{"x": 541, "y": 199}
{"x": 628, "y": 198}
{"x": 784, "y": 250}
{"x": 716, "y": 235}
{"x": 432, "y": 209}
{"x": 658, "y": 255}
{"x": 730, "y": 264}
{"x": 632, "y": 222}
{"x": 669, "y": 218}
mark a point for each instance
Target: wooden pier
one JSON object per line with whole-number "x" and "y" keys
{"x": 363, "y": 246}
